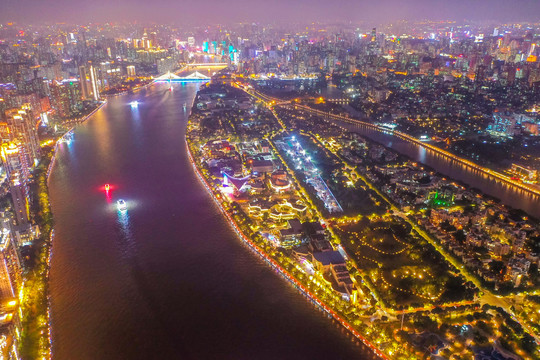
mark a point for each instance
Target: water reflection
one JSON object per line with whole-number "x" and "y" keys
{"x": 123, "y": 221}
{"x": 108, "y": 195}
{"x": 103, "y": 131}
{"x": 126, "y": 241}
{"x": 135, "y": 113}
{"x": 422, "y": 154}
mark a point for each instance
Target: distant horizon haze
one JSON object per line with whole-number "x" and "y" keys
{"x": 191, "y": 12}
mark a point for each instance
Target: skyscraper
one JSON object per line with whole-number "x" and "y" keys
{"x": 10, "y": 257}
{"x": 82, "y": 81}
{"x": 10, "y": 284}
{"x": 22, "y": 127}
{"x": 94, "y": 83}
{"x": 131, "y": 71}
{"x": 18, "y": 170}
{"x": 373, "y": 46}
{"x": 66, "y": 98}
{"x": 89, "y": 82}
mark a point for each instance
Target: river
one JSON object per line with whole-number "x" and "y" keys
{"x": 507, "y": 194}
{"x": 169, "y": 279}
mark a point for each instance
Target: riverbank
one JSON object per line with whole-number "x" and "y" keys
{"x": 274, "y": 265}
{"x": 36, "y": 341}
{"x": 85, "y": 117}
{"x": 35, "y": 335}
{"x": 133, "y": 90}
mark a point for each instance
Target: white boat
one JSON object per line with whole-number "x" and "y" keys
{"x": 185, "y": 106}
{"x": 121, "y": 205}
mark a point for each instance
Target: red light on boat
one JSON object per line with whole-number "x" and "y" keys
{"x": 107, "y": 187}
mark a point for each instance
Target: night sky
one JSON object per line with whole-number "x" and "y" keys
{"x": 226, "y": 11}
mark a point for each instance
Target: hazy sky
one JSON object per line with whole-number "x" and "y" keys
{"x": 224, "y": 11}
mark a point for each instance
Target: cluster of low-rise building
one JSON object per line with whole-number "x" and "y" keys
{"x": 489, "y": 236}
{"x": 251, "y": 175}
{"x": 248, "y": 172}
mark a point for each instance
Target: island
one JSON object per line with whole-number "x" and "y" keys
{"x": 368, "y": 236}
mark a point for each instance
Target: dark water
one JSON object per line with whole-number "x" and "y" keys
{"x": 506, "y": 193}
{"x": 169, "y": 280}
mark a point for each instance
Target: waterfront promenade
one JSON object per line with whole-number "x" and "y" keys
{"x": 283, "y": 272}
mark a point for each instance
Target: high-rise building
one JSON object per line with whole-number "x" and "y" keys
{"x": 66, "y": 98}
{"x": 18, "y": 170}
{"x": 94, "y": 82}
{"x": 9, "y": 256}
{"x": 10, "y": 284}
{"x": 131, "y": 71}
{"x": 22, "y": 127}
{"x": 15, "y": 161}
{"x": 480, "y": 75}
{"x": 82, "y": 81}
{"x": 89, "y": 82}
{"x": 373, "y": 48}
{"x": 153, "y": 39}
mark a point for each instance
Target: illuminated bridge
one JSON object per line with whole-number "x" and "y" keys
{"x": 209, "y": 64}
{"x": 170, "y": 77}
